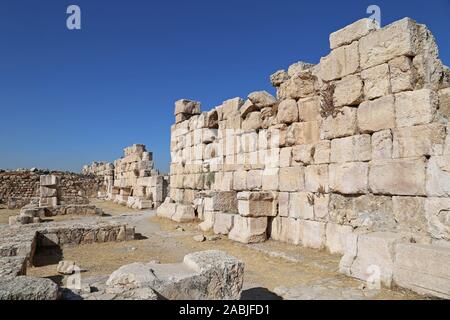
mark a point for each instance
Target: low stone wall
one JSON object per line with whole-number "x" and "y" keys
{"x": 19, "y": 188}
{"x": 352, "y": 155}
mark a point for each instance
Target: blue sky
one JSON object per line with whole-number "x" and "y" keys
{"x": 71, "y": 97}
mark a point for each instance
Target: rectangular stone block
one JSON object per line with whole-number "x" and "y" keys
{"x": 225, "y": 202}
{"x": 348, "y": 91}
{"x": 343, "y": 125}
{"x": 382, "y": 145}
{"x": 398, "y": 177}
{"x": 437, "y": 213}
{"x": 438, "y": 177}
{"x": 336, "y": 237}
{"x": 376, "y": 81}
{"x": 316, "y": 178}
{"x": 309, "y": 109}
{"x": 303, "y": 133}
{"x": 340, "y": 62}
{"x": 249, "y": 230}
{"x": 423, "y": 269}
{"x": 256, "y": 204}
{"x": 292, "y": 179}
{"x": 349, "y": 178}
{"x": 283, "y": 204}
{"x": 322, "y": 152}
{"x": 351, "y": 149}
{"x": 223, "y": 223}
{"x": 402, "y": 74}
{"x": 301, "y": 205}
{"x": 409, "y": 212}
{"x": 396, "y": 39}
{"x": 46, "y": 192}
{"x": 270, "y": 179}
{"x": 240, "y": 180}
{"x": 376, "y": 115}
{"x": 312, "y": 234}
{"x": 415, "y": 107}
{"x": 48, "y": 181}
{"x": 352, "y": 32}
{"x": 285, "y": 157}
{"x": 321, "y": 207}
{"x": 286, "y": 230}
{"x": 417, "y": 141}
{"x": 48, "y": 202}
{"x": 444, "y": 102}
{"x": 254, "y": 179}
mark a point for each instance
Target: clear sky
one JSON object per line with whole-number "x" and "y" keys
{"x": 68, "y": 98}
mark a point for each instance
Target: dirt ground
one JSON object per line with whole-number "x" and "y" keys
{"x": 6, "y": 213}
{"x": 268, "y": 266}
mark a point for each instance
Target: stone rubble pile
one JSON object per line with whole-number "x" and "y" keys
{"x": 352, "y": 156}
{"x": 131, "y": 180}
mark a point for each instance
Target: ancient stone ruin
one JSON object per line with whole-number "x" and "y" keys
{"x": 352, "y": 156}
{"x": 131, "y": 180}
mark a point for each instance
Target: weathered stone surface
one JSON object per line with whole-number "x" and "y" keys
{"x": 286, "y": 230}
{"x": 225, "y": 201}
{"x": 423, "y": 269}
{"x": 382, "y": 145}
{"x": 316, "y": 178}
{"x": 202, "y": 276}
{"x": 184, "y": 213}
{"x": 28, "y": 288}
{"x": 279, "y": 77}
{"x": 376, "y": 115}
{"x": 249, "y": 230}
{"x": 375, "y": 255}
{"x": 417, "y": 141}
{"x": 376, "y": 81}
{"x": 299, "y": 68}
{"x": 343, "y": 125}
{"x": 348, "y": 91}
{"x": 247, "y": 108}
{"x": 402, "y": 73}
{"x": 223, "y": 223}
{"x": 48, "y": 181}
{"x": 352, "y": 32}
{"x": 66, "y": 267}
{"x": 288, "y": 111}
{"x": 187, "y": 107}
{"x": 444, "y": 102}
{"x": 299, "y": 86}
{"x": 292, "y": 179}
{"x": 255, "y": 204}
{"x": 167, "y": 210}
{"x": 415, "y": 107}
{"x": 438, "y": 177}
{"x": 262, "y": 99}
{"x": 309, "y": 109}
{"x": 340, "y": 62}
{"x": 398, "y": 177}
{"x": 396, "y": 39}
{"x": 301, "y": 205}
{"x": 303, "y": 133}
{"x": 349, "y": 178}
{"x": 312, "y": 234}
{"x": 270, "y": 179}
{"x": 437, "y": 212}
{"x": 409, "y": 212}
{"x": 336, "y": 237}
{"x": 351, "y": 149}
{"x": 322, "y": 152}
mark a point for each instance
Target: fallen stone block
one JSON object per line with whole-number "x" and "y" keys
{"x": 184, "y": 213}
{"x": 249, "y": 230}
{"x": 66, "y": 267}
{"x": 166, "y": 210}
{"x": 28, "y": 288}
{"x": 208, "y": 275}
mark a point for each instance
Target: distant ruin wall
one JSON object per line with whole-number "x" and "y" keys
{"x": 353, "y": 156}
{"x": 19, "y": 188}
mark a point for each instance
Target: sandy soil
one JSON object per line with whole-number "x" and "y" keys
{"x": 267, "y": 266}
{"x": 6, "y": 213}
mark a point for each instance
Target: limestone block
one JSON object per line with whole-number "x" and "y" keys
{"x": 166, "y": 210}
{"x": 312, "y": 234}
{"x": 283, "y": 204}
{"x": 322, "y": 152}
{"x": 254, "y": 179}
{"x": 249, "y": 142}
{"x": 287, "y": 111}
{"x": 46, "y": 192}
{"x": 340, "y": 62}
{"x": 292, "y": 179}
{"x": 423, "y": 269}
{"x": 437, "y": 212}
{"x": 285, "y": 157}
{"x": 375, "y": 256}
{"x": 226, "y": 181}
{"x": 270, "y": 179}
{"x": 343, "y": 125}
{"x": 209, "y": 220}
{"x": 336, "y": 237}
{"x": 415, "y": 107}
{"x": 402, "y": 74}
{"x": 376, "y": 115}
{"x": 349, "y": 178}
{"x": 396, "y": 39}
{"x": 262, "y": 99}
{"x": 249, "y": 230}
{"x": 230, "y": 108}
{"x": 352, "y": 32}
{"x": 438, "y": 177}
{"x": 316, "y": 178}
{"x": 299, "y": 68}
{"x": 48, "y": 202}
{"x": 181, "y": 117}
{"x": 351, "y": 149}
{"x": 398, "y": 177}
{"x": 48, "y": 181}
{"x": 247, "y": 108}
{"x": 303, "y": 133}
{"x": 301, "y": 205}
{"x": 286, "y": 230}
{"x": 298, "y": 86}
{"x": 444, "y": 102}
{"x": 225, "y": 202}
{"x": 279, "y": 77}
{"x": 348, "y": 91}
{"x": 424, "y": 140}
{"x": 240, "y": 180}
{"x": 303, "y": 154}
{"x": 321, "y": 207}
{"x": 256, "y": 204}
{"x": 376, "y": 81}
{"x": 184, "y": 213}
{"x": 382, "y": 145}
{"x": 253, "y": 122}
{"x": 309, "y": 109}
{"x": 223, "y": 223}
{"x": 409, "y": 212}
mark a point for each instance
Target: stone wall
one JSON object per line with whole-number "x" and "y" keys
{"x": 19, "y": 188}
{"x": 353, "y": 156}
{"x": 131, "y": 180}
